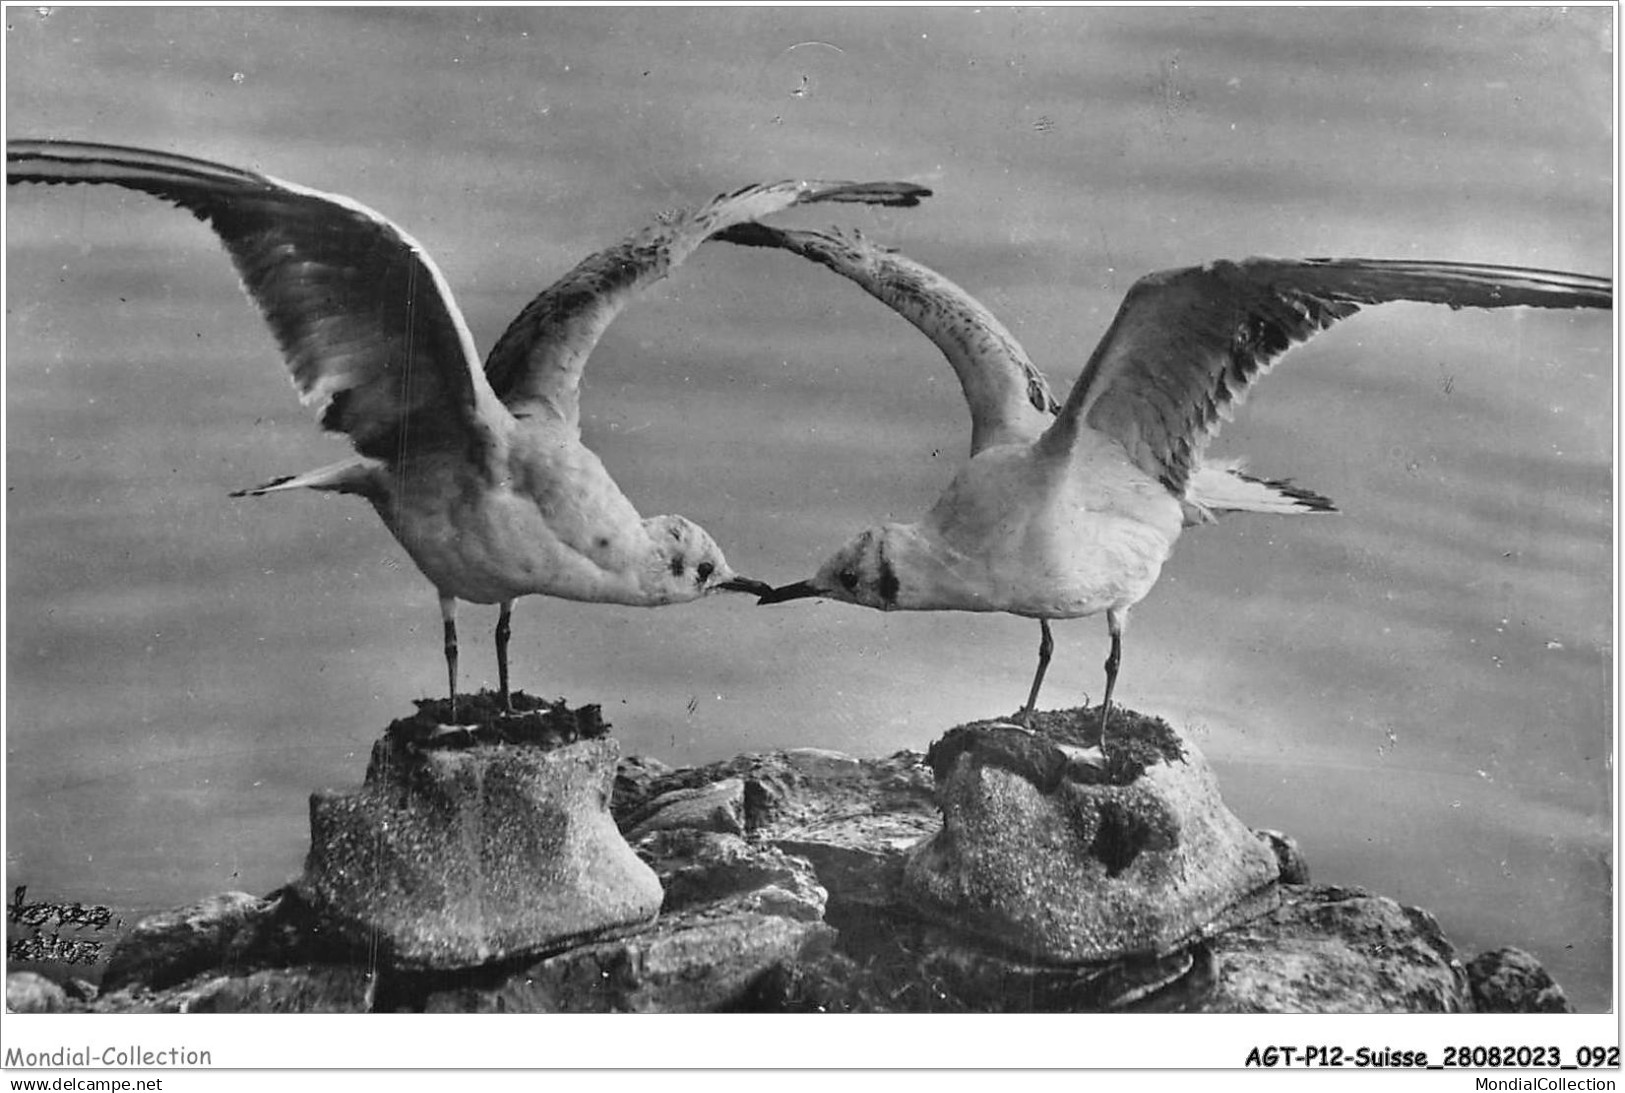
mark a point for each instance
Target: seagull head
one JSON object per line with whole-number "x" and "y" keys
{"x": 863, "y": 572}
{"x": 688, "y": 563}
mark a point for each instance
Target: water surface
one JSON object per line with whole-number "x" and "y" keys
{"x": 1418, "y": 689}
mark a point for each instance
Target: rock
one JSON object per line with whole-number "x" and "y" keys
{"x": 736, "y": 915}
{"x": 1509, "y": 980}
{"x": 1331, "y": 950}
{"x": 30, "y": 992}
{"x": 634, "y": 774}
{"x": 717, "y": 807}
{"x": 455, "y": 858}
{"x": 699, "y": 868}
{"x": 887, "y": 963}
{"x": 809, "y": 901}
{"x": 312, "y": 989}
{"x": 481, "y": 720}
{"x": 1289, "y": 858}
{"x": 1322, "y": 950}
{"x": 171, "y": 947}
{"x": 233, "y": 934}
{"x": 692, "y": 962}
{"x": 824, "y": 762}
{"x": 1061, "y": 859}
{"x": 852, "y": 819}
{"x": 81, "y": 990}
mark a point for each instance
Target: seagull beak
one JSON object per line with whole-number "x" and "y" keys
{"x": 798, "y": 591}
{"x": 745, "y": 584}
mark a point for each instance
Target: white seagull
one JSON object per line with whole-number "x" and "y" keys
{"x": 1067, "y": 511}
{"x": 481, "y": 475}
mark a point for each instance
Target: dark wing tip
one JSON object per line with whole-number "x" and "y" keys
{"x": 1309, "y": 499}
{"x": 899, "y": 195}
{"x": 750, "y": 233}
{"x": 909, "y": 195}
{"x": 255, "y": 491}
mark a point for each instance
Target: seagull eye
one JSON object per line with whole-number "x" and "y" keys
{"x": 849, "y": 578}
{"x": 704, "y": 570}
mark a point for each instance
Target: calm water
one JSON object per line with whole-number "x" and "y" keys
{"x": 1418, "y": 688}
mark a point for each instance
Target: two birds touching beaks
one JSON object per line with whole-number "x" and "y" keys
{"x": 1063, "y": 510}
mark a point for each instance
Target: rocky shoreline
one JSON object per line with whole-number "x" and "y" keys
{"x": 496, "y": 867}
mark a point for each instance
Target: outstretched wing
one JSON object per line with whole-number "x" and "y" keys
{"x": 366, "y": 323}
{"x": 1187, "y": 344}
{"x": 1008, "y": 397}
{"x": 536, "y": 365}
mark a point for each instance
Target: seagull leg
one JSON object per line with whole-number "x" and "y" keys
{"x": 503, "y": 630}
{"x": 1046, "y": 646}
{"x": 448, "y": 617}
{"x": 1114, "y": 622}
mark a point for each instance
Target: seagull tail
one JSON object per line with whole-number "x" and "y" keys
{"x": 348, "y": 476}
{"x": 1224, "y": 487}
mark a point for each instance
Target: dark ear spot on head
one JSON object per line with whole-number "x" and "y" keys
{"x": 704, "y": 571}
{"x": 889, "y": 584}
{"x": 602, "y": 543}
{"x": 678, "y": 564}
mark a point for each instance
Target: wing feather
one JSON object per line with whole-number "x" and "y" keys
{"x": 536, "y": 365}
{"x": 1187, "y": 344}
{"x": 368, "y": 328}
{"x": 1009, "y": 398}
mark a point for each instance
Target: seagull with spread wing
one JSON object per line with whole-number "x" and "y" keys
{"x": 1069, "y": 510}
{"x": 480, "y": 474}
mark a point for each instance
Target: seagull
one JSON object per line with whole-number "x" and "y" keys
{"x": 1065, "y": 511}
{"x": 480, "y": 475}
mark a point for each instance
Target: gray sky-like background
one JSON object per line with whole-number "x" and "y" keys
{"x": 1418, "y": 689}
